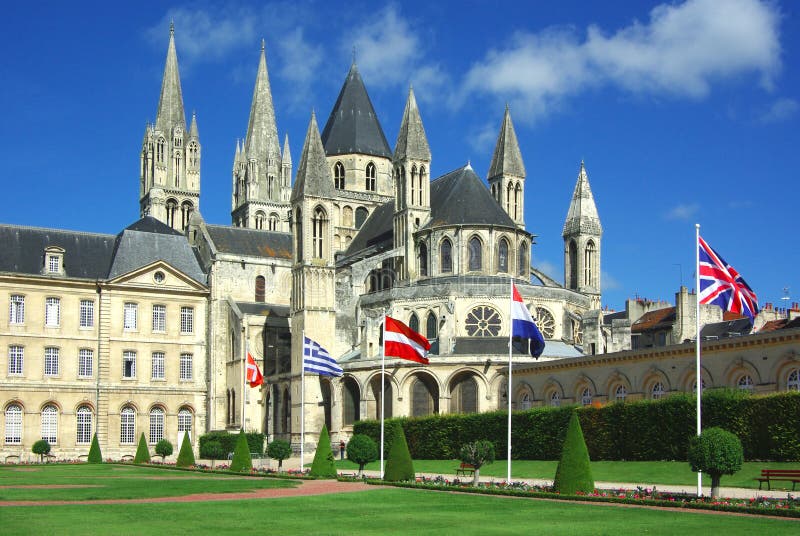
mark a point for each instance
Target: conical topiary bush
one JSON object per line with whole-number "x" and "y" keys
{"x": 242, "y": 462}
{"x": 399, "y": 466}
{"x": 186, "y": 454}
{"x": 95, "y": 456}
{"x": 142, "y": 454}
{"x": 574, "y": 474}
{"x": 323, "y": 465}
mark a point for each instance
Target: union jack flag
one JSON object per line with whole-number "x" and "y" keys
{"x": 722, "y": 285}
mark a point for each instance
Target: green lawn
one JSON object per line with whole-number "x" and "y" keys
{"x": 676, "y": 473}
{"x": 105, "y": 481}
{"x": 379, "y": 511}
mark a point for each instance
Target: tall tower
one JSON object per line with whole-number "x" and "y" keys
{"x": 582, "y": 233}
{"x": 170, "y": 158}
{"x": 412, "y": 165}
{"x": 507, "y": 172}
{"x": 261, "y": 189}
{"x": 313, "y": 273}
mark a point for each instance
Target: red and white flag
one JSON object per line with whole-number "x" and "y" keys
{"x": 403, "y": 342}
{"x": 254, "y": 376}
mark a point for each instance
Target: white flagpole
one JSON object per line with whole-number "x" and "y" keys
{"x": 303, "y": 402}
{"x": 698, "y": 377}
{"x": 244, "y": 372}
{"x": 508, "y": 393}
{"x": 383, "y": 371}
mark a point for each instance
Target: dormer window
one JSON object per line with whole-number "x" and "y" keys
{"x": 53, "y": 260}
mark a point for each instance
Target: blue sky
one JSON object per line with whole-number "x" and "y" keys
{"x": 684, "y": 112}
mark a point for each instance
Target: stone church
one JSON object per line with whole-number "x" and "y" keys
{"x": 147, "y": 331}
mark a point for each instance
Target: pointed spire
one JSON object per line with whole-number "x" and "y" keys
{"x": 411, "y": 139}
{"x": 261, "y": 142}
{"x": 507, "y": 158}
{"x": 286, "y": 157}
{"x": 193, "y": 131}
{"x": 313, "y": 173}
{"x": 582, "y": 215}
{"x": 170, "y": 104}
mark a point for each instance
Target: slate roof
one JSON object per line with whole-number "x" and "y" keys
{"x": 730, "y": 328}
{"x": 251, "y": 242}
{"x": 86, "y": 255}
{"x": 507, "y": 158}
{"x": 353, "y": 126}
{"x": 376, "y": 233}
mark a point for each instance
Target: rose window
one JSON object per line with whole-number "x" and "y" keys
{"x": 544, "y": 321}
{"x": 483, "y": 321}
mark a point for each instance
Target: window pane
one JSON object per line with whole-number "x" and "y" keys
{"x": 87, "y": 313}
{"x": 157, "y": 366}
{"x": 51, "y": 361}
{"x": 50, "y": 424}
{"x": 159, "y": 318}
{"x": 15, "y": 360}
{"x": 128, "y": 364}
{"x": 14, "y": 424}
{"x": 156, "y": 425}
{"x": 186, "y": 367}
{"x": 52, "y": 312}
{"x": 187, "y": 320}
{"x": 129, "y": 321}
{"x": 84, "y": 425}
{"x": 127, "y": 426}
{"x": 85, "y": 358}
{"x": 16, "y": 313}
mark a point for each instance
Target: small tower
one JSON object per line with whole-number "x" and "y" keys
{"x": 170, "y": 157}
{"x": 582, "y": 233}
{"x": 411, "y": 163}
{"x": 507, "y": 172}
{"x": 286, "y": 172}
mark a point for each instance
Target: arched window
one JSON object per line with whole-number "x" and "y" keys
{"x": 194, "y": 152}
{"x": 464, "y": 395}
{"x": 127, "y": 426}
{"x": 371, "y": 175}
{"x": 657, "y": 392}
{"x": 524, "y": 261}
{"x": 184, "y": 424}
{"x": 351, "y": 407}
{"x": 745, "y": 383}
{"x": 156, "y": 425}
{"x": 273, "y": 222}
{"x": 423, "y": 259}
{"x": 270, "y": 186}
{"x": 186, "y": 210}
{"x": 261, "y": 286}
{"x": 483, "y": 321}
{"x": 13, "y": 424}
{"x": 589, "y": 264}
{"x": 423, "y": 177}
{"x": 413, "y": 322}
{"x": 793, "y": 380}
{"x": 361, "y": 216}
{"x": 347, "y": 216}
{"x": 508, "y": 198}
{"x": 422, "y": 399}
{"x": 446, "y": 256}
{"x": 517, "y": 201}
{"x": 502, "y": 256}
{"x": 555, "y": 399}
{"x": 287, "y": 411}
{"x": 586, "y": 396}
{"x": 50, "y": 424}
{"x": 475, "y": 254}
{"x": 525, "y": 401}
{"x": 545, "y": 321}
{"x": 431, "y": 327}
{"x": 259, "y": 220}
{"x": 160, "y": 150}
{"x": 318, "y": 233}
{"x": 172, "y": 211}
{"x": 413, "y": 184}
{"x": 325, "y": 391}
{"x": 298, "y": 221}
{"x": 620, "y": 393}
{"x": 338, "y": 176}
{"x": 572, "y": 258}
{"x": 83, "y": 426}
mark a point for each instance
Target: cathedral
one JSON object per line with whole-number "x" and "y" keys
{"x": 148, "y": 331}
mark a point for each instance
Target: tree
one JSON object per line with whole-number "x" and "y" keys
{"x": 186, "y": 454}
{"x": 717, "y": 452}
{"x": 212, "y": 450}
{"x": 95, "y": 456}
{"x": 142, "y": 454}
{"x": 242, "y": 461}
{"x": 279, "y": 450}
{"x": 323, "y": 465}
{"x": 399, "y": 466}
{"x": 164, "y": 449}
{"x": 478, "y": 453}
{"x": 574, "y": 474}
{"x": 41, "y": 448}
{"x": 361, "y": 449}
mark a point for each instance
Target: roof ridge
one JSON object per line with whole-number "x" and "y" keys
{"x": 69, "y": 231}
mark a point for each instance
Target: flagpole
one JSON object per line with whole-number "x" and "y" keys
{"x": 383, "y": 372}
{"x": 698, "y": 377}
{"x": 244, "y": 371}
{"x": 508, "y": 393}
{"x": 303, "y": 402}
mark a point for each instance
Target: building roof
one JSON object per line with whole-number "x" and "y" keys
{"x": 250, "y": 242}
{"x": 724, "y": 329}
{"x": 170, "y": 104}
{"x": 376, "y": 232}
{"x": 507, "y": 158}
{"x": 353, "y": 126}
{"x": 412, "y": 142}
{"x": 773, "y": 325}
{"x": 262, "y": 141}
{"x": 461, "y": 198}
{"x": 313, "y": 173}
{"x": 654, "y": 320}
{"x": 582, "y": 215}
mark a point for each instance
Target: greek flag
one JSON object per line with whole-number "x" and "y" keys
{"x": 316, "y": 359}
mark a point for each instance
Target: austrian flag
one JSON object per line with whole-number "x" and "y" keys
{"x": 254, "y": 376}
{"x": 403, "y": 342}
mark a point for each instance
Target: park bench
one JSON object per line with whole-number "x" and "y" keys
{"x": 127, "y": 458}
{"x": 771, "y": 475}
{"x": 12, "y": 458}
{"x": 465, "y": 468}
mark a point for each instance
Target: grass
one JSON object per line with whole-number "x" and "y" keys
{"x": 105, "y": 481}
{"x": 648, "y": 473}
{"x": 379, "y": 511}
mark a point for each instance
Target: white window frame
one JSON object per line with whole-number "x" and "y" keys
{"x": 128, "y": 356}
{"x": 83, "y": 425}
{"x": 156, "y": 425}
{"x": 157, "y": 366}
{"x": 16, "y": 309}
{"x": 555, "y": 399}
{"x": 13, "y": 424}
{"x": 586, "y": 396}
{"x": 85, "y": 363}
{"x": 159, "y": 318}
{"x": 16, "y": 360}
{"x": 793, "y": 380}
{"x": 186, "y": 367}
{"x": 658, "y": 391}
{"x": 745, "y": 383}
{"x": 87, "y": 314}
{"x": 51, "y": 361}
{"x": 53, "y": 263}
{"x": 187, "y": 320}
{"x": 130, "y": 316}
{"x": 52, "y": 312}
{"x": 185, "y": 420}
{"x": 127, "y": 426}
{"x": 49, "y": 418}
{"x": 620, "y": 393}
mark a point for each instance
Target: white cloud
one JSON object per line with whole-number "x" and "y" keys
{"x": 780, "y": 110}
{"x": 300, "y": 67}
{"x": 683, "y": 212}
{"x": 482, "y": 139}
{"x": 681, "y": 51}
{"x": 609, "y": 282}
{"x": 549, "y": 269}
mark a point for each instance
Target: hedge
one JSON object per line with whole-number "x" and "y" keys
{"x": 255, "y": 441}
{"x": 638, "y": 431}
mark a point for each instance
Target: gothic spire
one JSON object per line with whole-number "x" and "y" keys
{"x": 193, "y": 131}
{"x": 286, "y": 157}
{"x": 170, "y": 104}
{"x": 261, "y": 142}
{"x": 313, "y": 173}
{"x": 507, "y": 158}
{"x": 582, "y": 215}
{"x": 411, "y": 139}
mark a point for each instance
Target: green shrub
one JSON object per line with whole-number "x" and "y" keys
{"x": 716, "y": 452}
{"x": 95, "y": 456}
{"x": 186, "y": 454}
{"x": 242, "y": 462}
{"x": 361, "y": 449}
{"x": 212, "y": 450}
{"x": 164, "y": 449}
{"x": 41, "y": 448}
{"x": 255, "y": 441}
{"x": 477, "y": 454}
{"x": 323, "y": 465}
{"x": 142, "y": 454}
{"x": 574, "y": 473}
{"x": 399, "y": 466}
{"x": 279, "y": 450}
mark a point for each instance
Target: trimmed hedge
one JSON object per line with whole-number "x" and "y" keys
{"x": 255, "y": 441}
{"x": 637, "y": 431}
{"x": 241, "y": 462}
{"x": 186, "y": 454}
{"x": 574, "y": 473}
{"x": 95, "y": 456}
{"x": 323, "y": 466}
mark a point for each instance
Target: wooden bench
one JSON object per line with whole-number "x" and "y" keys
{"x": 126, "y": 458}
{"x": 771, "y": 475}
{"x": 465, "y": 468}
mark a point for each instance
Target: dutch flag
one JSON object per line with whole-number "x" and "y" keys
{"x": 523, "y": 326}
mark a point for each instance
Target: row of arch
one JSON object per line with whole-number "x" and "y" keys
{"x": 475, "y": 257}
{"x": 271, "y": 222}
{"x": 319, "y": 229}
{"x": 415, "y": 192}
{"x": 512, "y": 201}
{"x": 173, "y": 220}
{"x": 590, "y": 276}
{"x": 340, "y": 179}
